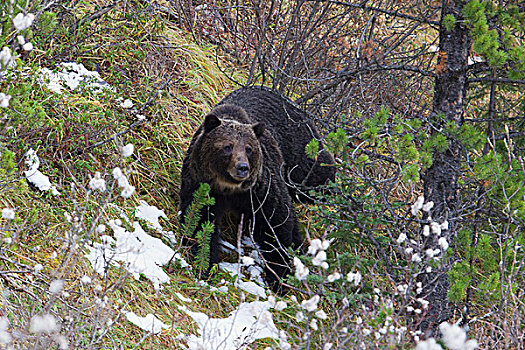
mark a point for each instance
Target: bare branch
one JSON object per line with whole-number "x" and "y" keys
{"x": 380, "y": 10}
{"x": 496, "y": 80}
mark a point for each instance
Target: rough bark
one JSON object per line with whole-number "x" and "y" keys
{"x": 440, "y": 180}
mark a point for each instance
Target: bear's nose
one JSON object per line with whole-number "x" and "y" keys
{"x": 242, "y": 169}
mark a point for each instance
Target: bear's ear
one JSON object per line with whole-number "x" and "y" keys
{"x": 211, "y": 122}
{"x": 258, "y": 129}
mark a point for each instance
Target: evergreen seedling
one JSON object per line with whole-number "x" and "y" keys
{"x": 201, "y": 198}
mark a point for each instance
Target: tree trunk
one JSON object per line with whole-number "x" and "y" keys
{"x": 440, "y": 180}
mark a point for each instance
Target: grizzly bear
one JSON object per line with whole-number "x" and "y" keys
{"x": 250, "y": 149}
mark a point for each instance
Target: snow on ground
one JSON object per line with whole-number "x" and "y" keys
{"x": 252, "y": 264}
{"x": 120, "y": 212}
{"x": 72, "y": 75}
{"x": 34, "y": 176}
{"x": 183, "y": 297}
{"x": 252, "y": 287}
{"x": 183, "y": 263}
{"x": 221, "y": 289}
{"x": 249, "y": 322}
{"x": 139, "y": 252}
{"x": 227, "y": 247}
{"x": 150, "y": 323}
{"x": 151, "y": 215}
{"x": 142, "y": 254}
{"x": 233, "y": 269}
{"x": 256, "y": 272}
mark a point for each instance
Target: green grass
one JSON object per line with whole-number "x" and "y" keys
{"x": 136, "y": 53}
{"x": 174, "y": 80}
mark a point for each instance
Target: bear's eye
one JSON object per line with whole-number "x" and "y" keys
{"x": 248, "y": 150}
{"x": 228, "y": 149}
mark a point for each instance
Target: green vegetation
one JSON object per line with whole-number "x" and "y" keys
{"x": 193, "y": 217}
{"x": 371, "y": 241}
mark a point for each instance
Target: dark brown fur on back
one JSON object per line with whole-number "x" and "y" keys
{"x": 292, "y": 128}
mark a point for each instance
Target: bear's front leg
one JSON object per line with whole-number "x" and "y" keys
{"x": 276, "y": 228}
{"x": 214, "y": 241}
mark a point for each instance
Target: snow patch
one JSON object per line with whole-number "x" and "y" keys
{"x": 151, "y": 214}
{"x": 183, "y": 297}
{"x": 121, "y": 213}
{"x": 249, "y": 322}
{"x": 183, "y": 263}
{"x": 221, "y": 289}
{"x": 248, "y": 242}
{"x": 34, "y": 176}
{"x": 475, "y": 59}
{"x": 227, "y": 247}
{"x": 127, "y": 104}
{"x": 150, "y": 323}
{"x": 139, "y": 252}
{"x": 256, "y": 273}
{"x": 256, "y": 286}
{"x": 71, "y": 75}
{"x": 251, "y": 287}
{"x": 234, "y": 269}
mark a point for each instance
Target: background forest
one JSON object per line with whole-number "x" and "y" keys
{"x": 419, "y": 243}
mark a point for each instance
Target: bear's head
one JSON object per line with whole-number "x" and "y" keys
{"x": 230, "y": 151}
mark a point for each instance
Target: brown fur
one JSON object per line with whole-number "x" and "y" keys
{"x": 239, "y": 154}
{"x": 210, "y": 164}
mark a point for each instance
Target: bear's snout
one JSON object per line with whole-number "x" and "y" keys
{"x": 243, "y": 169}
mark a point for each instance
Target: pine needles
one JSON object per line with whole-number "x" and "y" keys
{"x": 201, "y": 199}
